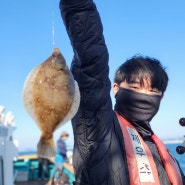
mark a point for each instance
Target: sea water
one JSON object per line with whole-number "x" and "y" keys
{"x": 180, "y": 157}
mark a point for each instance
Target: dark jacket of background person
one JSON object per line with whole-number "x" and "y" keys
{"x": 99, "y": 152}
{"x": 62, "y": 148}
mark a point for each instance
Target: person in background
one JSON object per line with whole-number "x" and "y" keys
{"x": 60, "y": 158}
{"x": 115, "y": 146}
{"x": 43, "y": 168}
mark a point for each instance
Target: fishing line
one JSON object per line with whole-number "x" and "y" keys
{"x": 53, "y": 29}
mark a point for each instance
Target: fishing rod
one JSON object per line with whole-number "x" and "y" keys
{"x": 181, "y": 149}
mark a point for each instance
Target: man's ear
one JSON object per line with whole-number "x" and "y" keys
{"x": 115, "y": 88}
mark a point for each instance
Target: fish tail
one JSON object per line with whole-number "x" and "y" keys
{"x": 46, "y": 148}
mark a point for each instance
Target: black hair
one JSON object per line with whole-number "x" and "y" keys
{"x": 143, "y": 68}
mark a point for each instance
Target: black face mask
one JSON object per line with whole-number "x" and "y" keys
{"x": 137, "y": 108}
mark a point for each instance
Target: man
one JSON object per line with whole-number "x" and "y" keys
{"x": 60, "y": 158}
{"x": 61, "y": 152}
{"x": 61, "y": 145}
{"x": 115, "y": 147}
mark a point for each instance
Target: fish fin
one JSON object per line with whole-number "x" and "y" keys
{"x": 74, "y": 107}
{"x": 27, "y": 92}
{"x": 46, "y": 148}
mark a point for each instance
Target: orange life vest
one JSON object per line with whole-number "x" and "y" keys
{"x": 141, "y": 166}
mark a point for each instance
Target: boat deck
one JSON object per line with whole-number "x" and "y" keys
{"x": 68, "y": 168}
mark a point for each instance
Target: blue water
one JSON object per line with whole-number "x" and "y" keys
{"x": 180, "y": 157}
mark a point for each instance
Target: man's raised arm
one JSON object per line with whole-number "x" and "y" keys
{"x": 90, "y": 63}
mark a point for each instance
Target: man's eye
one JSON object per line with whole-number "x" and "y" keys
{"x": 154, "y": 90}
{"x": 134, "y": 87}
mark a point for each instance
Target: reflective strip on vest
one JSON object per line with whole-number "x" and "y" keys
{"x": 143, "y": 164}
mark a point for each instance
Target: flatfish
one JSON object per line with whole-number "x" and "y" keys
{"x": 51, "y": 97}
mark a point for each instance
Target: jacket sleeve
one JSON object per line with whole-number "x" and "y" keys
{"x": 92, "y": 123}
{"x": 90, "y": 62}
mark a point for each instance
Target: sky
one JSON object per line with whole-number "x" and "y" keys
{"x": 150, "y": 28}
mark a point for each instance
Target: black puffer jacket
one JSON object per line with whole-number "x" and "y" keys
{"x": 99, "y": 154}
